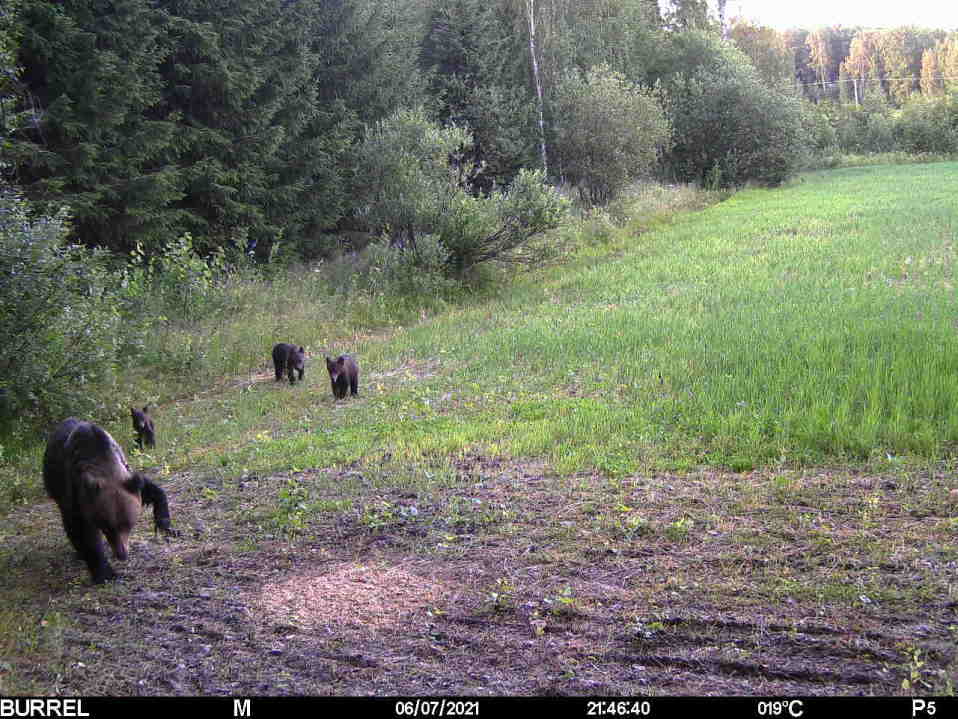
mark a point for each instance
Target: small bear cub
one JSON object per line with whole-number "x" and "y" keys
{"x": 343, "y": 375}
{"x": 288, "y": 359}
{"x": 143, "y": 426}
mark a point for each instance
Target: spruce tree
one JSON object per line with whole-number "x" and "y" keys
{"x": 150, "y": 119}
{"x": 96, "y": 138}
{"x": 239, "y": 79}
{"x": 477, "y": 80}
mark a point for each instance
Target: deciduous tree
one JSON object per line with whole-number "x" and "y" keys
{"x": 932, "y": 81}
{"x": 608, "y": 132}
{"x": 863, "y": 66}
{"x": 765, "y": 47}
{"x": 728, "y": 127}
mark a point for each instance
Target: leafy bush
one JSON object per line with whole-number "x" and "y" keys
{"x": 416, "y": 272}
{"x": 608, "y": 132}
{"x": 728, "y": 127}
{"x": 878, "y": 133}
{"x": 862, "y": 128}
{"x": 928, "y": 125}
{"x": 176, "y": 282}
{"x": 924, "y": 128}
{"x": 820, "y": 136}
{"x": 411, "y": 186}
{"x": 507, "y": 226}
{"x": 59, "y": 316}
{"x": 403, "y": 175}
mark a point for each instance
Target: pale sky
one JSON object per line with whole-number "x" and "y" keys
{"x": 783, "y": 14}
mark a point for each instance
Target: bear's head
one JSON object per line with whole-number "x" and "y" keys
{"x": 336, "y": 367}
{"x": 114, "y": 503}
{"x": 297, "y": 361}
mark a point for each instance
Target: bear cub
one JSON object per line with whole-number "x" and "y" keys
{"x": 288, "y": 359}
{"x": 86, "y": 474}
{"x": 143, "y": 426}
{"x": 343, "y": 375}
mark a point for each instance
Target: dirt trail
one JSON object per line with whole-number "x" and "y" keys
{"x": 549, "y": 596}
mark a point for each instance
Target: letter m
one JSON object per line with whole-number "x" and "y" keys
{"x": 241, "y": 708}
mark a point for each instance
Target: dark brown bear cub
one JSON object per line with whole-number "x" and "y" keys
{"x": 143, "y": 426}
{"x": 85, "y": 472}
{"x": 343, "y": 374}
{"x": 288, "y": 359}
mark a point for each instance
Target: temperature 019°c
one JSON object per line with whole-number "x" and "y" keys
{"x": 781, "y": 707}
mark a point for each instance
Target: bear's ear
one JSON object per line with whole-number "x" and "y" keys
{"x": 146, "y": 409}
{"x": 133, "y": 412}
{"x": 302, "y": 350}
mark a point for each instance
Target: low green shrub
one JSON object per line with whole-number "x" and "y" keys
{"x": 176, "y": 282}
{"x": 60, "y": 317}
{"x": 928, "y": 125}
{"x": 417, "y": 271}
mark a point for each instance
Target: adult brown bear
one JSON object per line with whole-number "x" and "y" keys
{"x": 343, "y": 374}
{"x": 288, "y": 358}
{"x": 85, "y": 472}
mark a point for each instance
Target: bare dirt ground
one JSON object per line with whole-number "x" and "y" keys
{"x": 507, "y": 580}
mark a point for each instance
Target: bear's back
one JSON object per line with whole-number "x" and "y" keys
{"x": 77, "y": 448}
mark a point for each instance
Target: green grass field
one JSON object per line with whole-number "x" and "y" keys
{"x": 801, "y": 325}
{"x": 811, "y": 323}
{"x": 715, "y": 450}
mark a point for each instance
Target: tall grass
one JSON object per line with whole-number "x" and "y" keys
{"x": 802, "y": 324}
{"x": 805, "y": 324}
{"x": 894, "y": 157}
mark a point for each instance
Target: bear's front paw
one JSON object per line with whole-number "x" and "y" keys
{"x": 164, "y": 525}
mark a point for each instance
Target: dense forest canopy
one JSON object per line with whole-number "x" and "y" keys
{"x": 241, "y": 123}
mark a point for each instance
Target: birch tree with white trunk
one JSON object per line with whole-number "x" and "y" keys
{"x": 531, "y": 16}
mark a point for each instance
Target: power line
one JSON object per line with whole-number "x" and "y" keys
{"x": 869, "y": 79}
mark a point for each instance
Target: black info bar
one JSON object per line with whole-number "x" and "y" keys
{"x": 488, "y": 707}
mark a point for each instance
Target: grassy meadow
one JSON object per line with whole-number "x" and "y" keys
{"x": 814, "y": 323}
{"x": 710, "y": 443}
{"x": 798, "y": 325}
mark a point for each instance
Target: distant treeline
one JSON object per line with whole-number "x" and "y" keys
{"x": 852, "y": 64}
